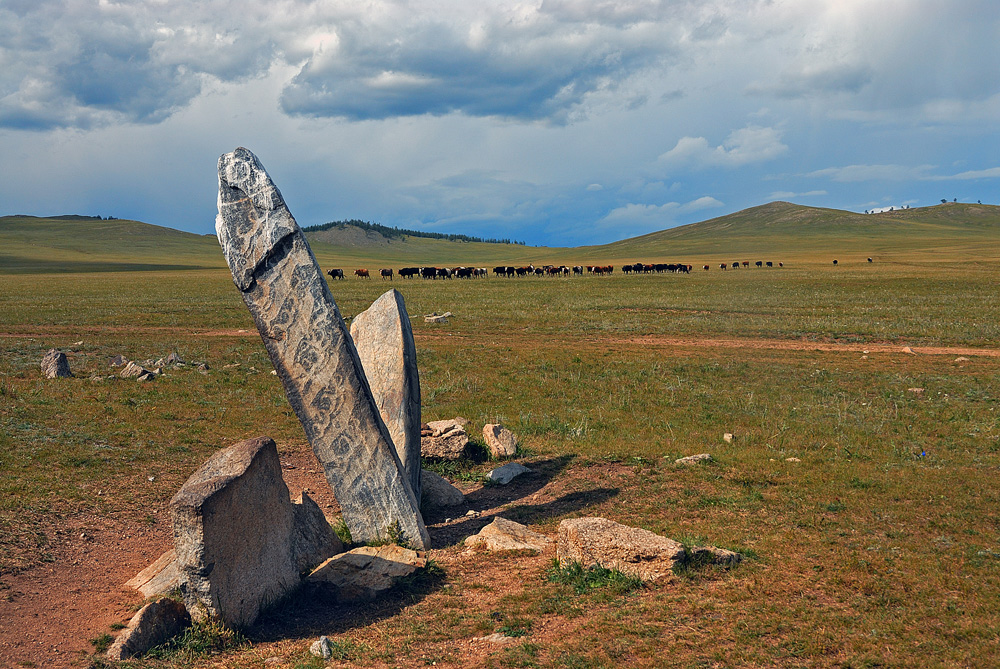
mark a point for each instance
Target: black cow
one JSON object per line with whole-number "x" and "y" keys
{"x": 409, "y": 272}
{"x": 336, "y": 273}
{"x": 769, "y": 263}
{"x": 429, "y": 272}
{"x": 759, "y": 263}
{"x": 386, "y": 274}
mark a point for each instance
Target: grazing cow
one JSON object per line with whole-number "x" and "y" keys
{"x": 746, "y": 263}
{"x": 386, "y": 274}
{"x": 361, "y": 274}
{"x": 769, "y": 263}
{"x": 869, "y": 260}
{"x": 444, "y": 272}
{"x": 500, "y": 270}
{"x": 722, "y": 265}
{"x": 578, "y": 269}
{"x": 759, "y": 263}
{"x": 463, "y": 273}
{"x": 834, "y": 262}
{"x": 735, "y": 265}
{"x": 705, "y": 267}
{"x": 428, "y": 272}
{"x": 336, "y": 273}
{"x": 781, "y": 264}
{"x": 409, "y": 272}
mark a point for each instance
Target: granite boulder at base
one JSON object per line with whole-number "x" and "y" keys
{"x": 507, "y": 473}
{"x": 366, "y": 572}
{"x": 55, "y": 365}
{"x": 241, "y": 543}
{"x": 437, "y": 492}
{"x": 154, "y": 624}
{"x": 630, "y": 550}
{"x": 313, "y": 353}
{"x": 384, "y": 339}
{"x": 444, "y": 439}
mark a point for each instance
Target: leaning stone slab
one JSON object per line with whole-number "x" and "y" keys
{"x": 438, "y": 493}
{"x": 154, "y": 624}
{"x": 313, "y": 354}
{"x": 506, "y": 535}
{"x": 365, "y": 573}
{"x": 694, "y": 459}
{"x": 633, "y": 551}
{"x": 507, "y": 473}
{"x": 501, "y": 441}
{"x": 238, "y": 537}
{"x": 159, "y": 578}
{"x": 55, "y": 365}
{"x": 384, "y": 339}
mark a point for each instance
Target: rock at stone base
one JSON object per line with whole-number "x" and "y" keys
{"x": 714, "y": 555}
{"x": 154, "y": 623}
{"x": 435, "y": 319}
{"x": 447, "y": 440}
{"x": 507, "y": 473}
{"x": 311, "y": 349}
{"x": 159, "y": 578}
{"x": 313, "y": 539}
{"x": 630, "y": 550}
{"x": 119, "y": 361}
{"x": 365, "y": 573}
{"x": 506, "y": 535}
{"x": 239, "y": 538}
{"x": 501, "y": 441}
{"x": 437, "y": 492}
{"x": 321, "y": 648}
{"x": 694, "y": 459}
{"x": 384, "y": 339}
{"x": 55, "y": 365}
{"x": 174, "y": 359}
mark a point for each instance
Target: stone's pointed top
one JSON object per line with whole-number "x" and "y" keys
{"x": 253, "y": 219}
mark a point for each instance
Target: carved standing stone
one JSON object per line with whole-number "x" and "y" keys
{"x": 384, "y": 340}
{"x": 313, "y": 354}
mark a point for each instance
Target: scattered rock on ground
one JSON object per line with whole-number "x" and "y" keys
{"x": 447, "y": 440}
{"x": 437, "y": 492}
{"x": 498, "y": 638}
{"x": 961, "y": 358}
{"x": 637, "y": 552}
{"x": 501, "y": 441}
{"x": 728, "y": 437}
{"x": 507, "y": 473}
{"x": 365, "y": 573}
{"x": 137, "y": 372}
{"x": 694, "y": 459}
{"x": 55, "y": 365}
{"x": 907, "y": 349}
{"x": 321, "y": 648}
{"x": 154, "y": 623}
{"x": 435, "y": 319}
{"x": 119, "y": 361}
{"x": 506, "y": 535}
{"x": 714, "y": 555}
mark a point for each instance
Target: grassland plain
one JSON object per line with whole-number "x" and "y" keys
{"x": 861, "y": 486}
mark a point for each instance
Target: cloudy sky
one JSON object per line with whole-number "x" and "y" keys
{"x": 555, "y": 122}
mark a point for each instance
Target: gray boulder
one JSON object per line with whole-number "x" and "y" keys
{"x": 240, "y": 541}
{"x": 313, "y": 353}
{"x": 637, "y": 552}
{"x": 501, "y": 441}
{"x": 384, "y": 339}
{"x": 438, "y": 493}
{"x": 55, "y": 365}
{"x": 154, "y": 624}
{"x": 507, "y": 473}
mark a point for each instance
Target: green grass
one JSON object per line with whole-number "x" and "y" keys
{"x": 877, "y": 546}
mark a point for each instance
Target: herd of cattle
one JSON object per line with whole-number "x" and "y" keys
{"x": 507, "y": 271}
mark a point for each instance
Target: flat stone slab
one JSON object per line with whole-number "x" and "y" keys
{"x": 159, "y": 578}
{"x": 694, "y": 459}
{"x": 365, "y": 573}
{"x": 384, "y": 339}
{"x": 313, "y": 353}
{"x": 630, "y": 550}
{"x": 507, "y": 473}
{"x": 506, "y": 535}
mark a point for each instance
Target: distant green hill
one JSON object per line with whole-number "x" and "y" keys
{"x": 778, "y": 231}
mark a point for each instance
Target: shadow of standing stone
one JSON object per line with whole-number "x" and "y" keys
{"x": 241, "y": 543}
{"x": 384, "y": 340}
{"x": 313, "y": 354}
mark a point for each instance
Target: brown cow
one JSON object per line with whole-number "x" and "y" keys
{"x": 361, "y": 274}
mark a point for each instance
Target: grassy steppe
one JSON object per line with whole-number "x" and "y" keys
{"x": 877, "y": 544}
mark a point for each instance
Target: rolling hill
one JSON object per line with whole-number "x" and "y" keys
{"x": 774, "y": 231}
